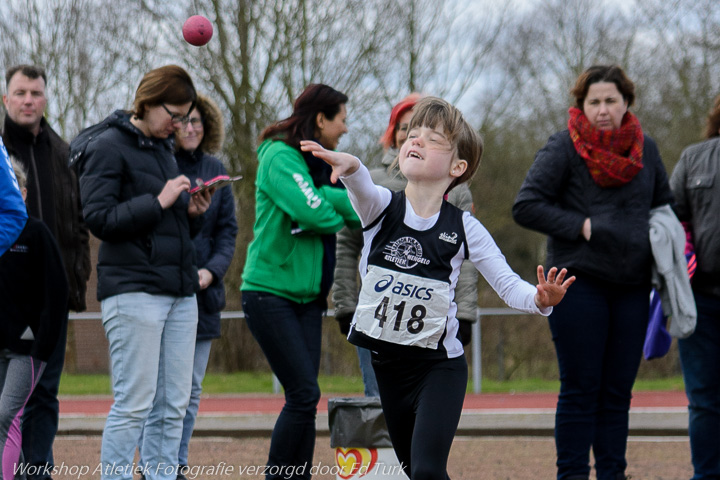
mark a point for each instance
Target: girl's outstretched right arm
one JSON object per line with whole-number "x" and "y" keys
{"x": 368, "y": 199}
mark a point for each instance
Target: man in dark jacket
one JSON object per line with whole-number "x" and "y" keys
{"x": 53, "y": 197}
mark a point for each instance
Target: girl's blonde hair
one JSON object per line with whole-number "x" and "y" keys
{"x": 20, "y": 173}
{"x": 436, "y": 113}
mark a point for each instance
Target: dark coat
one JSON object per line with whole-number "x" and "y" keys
{"x": 215, "y": 244}
{"x": 696, "y": 185}
{"x": 54, "y": 198}
{"x": 144, "y": 248}
{"x": 559, "y": 193}
{"x": 33, "y": 293}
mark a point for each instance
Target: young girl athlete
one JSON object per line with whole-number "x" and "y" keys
{"x": 414, "y": 244}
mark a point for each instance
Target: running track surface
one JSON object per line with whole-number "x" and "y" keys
{"x": 263, "y": 404}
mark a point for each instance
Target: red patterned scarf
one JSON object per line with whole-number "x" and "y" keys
{"x": 613, "y": 157}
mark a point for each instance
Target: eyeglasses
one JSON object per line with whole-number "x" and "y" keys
{"x": 176, "y": 117}
{"x": 196, "y": 123}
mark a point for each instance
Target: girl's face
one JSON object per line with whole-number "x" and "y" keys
{"x": 604, "y": 106}
{"x": 328, "y": 132}
{"x": 428, "y": 155}
{"x": 191, "y": 135}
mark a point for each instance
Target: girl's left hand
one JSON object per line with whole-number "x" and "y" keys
{"x": 551, "y": 291}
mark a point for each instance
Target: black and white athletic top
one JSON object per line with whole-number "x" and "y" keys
{"x": 409, "y": 268}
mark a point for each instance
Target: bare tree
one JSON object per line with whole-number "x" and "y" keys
{"x": 94, "y": 53}
{"x": 547, "y": 46}
{"x": 439, "y": 48}
{"x": 679, "y": 71}
{"x": 265, "y": 52}
{"x": 539, "y": 54}
{"x": 512, "y": 64}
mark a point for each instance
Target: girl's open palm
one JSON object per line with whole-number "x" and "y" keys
{"x": 551, "y": 291}
{"x": 341, "y": 163}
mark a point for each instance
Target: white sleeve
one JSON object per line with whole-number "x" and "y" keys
{"x": 491, "y": 263}
{"x": 368, "y": 200}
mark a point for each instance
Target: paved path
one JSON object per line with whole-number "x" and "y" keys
{"x": 652, "y": 413}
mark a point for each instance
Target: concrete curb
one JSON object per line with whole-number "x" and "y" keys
{"x": 660, "y": 421}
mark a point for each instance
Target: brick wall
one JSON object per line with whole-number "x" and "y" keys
{"x": 87, "y": 347}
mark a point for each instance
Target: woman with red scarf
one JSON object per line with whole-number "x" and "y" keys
{"x": 591, "y": 189}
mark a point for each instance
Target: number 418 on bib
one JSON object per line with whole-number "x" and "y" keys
{"x": 414, "y": 325}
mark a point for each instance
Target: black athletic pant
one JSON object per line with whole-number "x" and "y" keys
{"x": 422, "y": 401}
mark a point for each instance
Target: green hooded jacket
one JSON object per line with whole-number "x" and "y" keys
{"x": 285, "y": 255}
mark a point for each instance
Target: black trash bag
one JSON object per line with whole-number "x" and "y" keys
{"x": 357, "y": 422}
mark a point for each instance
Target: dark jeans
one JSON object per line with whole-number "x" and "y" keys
{"x": 40, "y": 418}
{"x": 289, "y": 334}
{"x": 422, "y": 401}
{"x": 700, "y": 359}
{"x": 598, "y": 330}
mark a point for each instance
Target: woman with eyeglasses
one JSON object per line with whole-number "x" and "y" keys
{"x": 195, "y": 145}
{"x": 136, "y": 201}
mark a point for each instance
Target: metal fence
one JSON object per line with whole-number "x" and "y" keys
{"x": 476, "y": 358}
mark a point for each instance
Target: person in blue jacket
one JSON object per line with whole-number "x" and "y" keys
{"x": 34, "y": 296}
{"x": 13, "y": 214}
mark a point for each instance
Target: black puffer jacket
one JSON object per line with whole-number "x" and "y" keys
{"x": 33, "y": 293}
{"x": 144, "y": 248}
{"x": 559, "y": 193}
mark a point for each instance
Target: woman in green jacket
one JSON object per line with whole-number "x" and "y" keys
{"x": 290, "y": 264}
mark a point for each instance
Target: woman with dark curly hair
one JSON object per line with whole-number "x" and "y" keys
{"x": 214, "y": 244}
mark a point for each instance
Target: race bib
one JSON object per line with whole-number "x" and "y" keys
{"x": 401, "y": 308}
